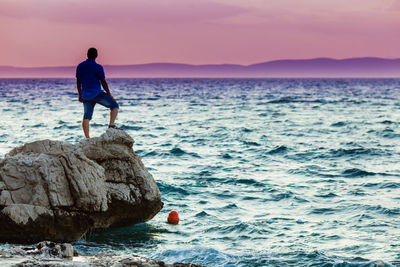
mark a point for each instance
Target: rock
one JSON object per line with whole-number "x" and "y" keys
{"x": 43, "y": 250}
{"x": 52, "y": 190}
{"x": 133, "y": 260}
{"x": 50, "y": 249}
{"x": 50, "y": 254}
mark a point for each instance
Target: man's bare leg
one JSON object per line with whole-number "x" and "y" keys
{"x": 113, "y": 116}
{"x": 85, "y": 127}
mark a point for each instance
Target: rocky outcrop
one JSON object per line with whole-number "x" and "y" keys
{"x": 50, "y": 254}
{"x": 52, "y": 190}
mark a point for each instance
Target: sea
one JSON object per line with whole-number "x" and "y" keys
{"x": 263, "y": 172}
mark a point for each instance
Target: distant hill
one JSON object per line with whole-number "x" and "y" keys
{"x": 318, "y": 67}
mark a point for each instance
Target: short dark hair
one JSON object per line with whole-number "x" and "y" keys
{"x": 92, "y": 53}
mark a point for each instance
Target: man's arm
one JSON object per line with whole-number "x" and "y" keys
{"x": 79, "y": 88}
{"x": 105, "y": 86}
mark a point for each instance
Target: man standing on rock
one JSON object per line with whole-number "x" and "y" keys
{"x": 89, "y": 79}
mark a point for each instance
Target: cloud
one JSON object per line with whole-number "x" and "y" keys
{"x": 128, "y": 11}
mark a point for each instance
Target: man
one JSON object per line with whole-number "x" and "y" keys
{"x": 89, "y": 76}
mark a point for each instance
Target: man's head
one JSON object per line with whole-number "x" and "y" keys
{"x": 92, "y": 53}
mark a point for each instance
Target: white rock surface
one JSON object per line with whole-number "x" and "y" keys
{"x": 52, "y": 190}
{"x": 22, "y": 213}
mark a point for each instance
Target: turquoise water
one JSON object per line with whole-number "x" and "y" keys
{"x": 277, "y": 172}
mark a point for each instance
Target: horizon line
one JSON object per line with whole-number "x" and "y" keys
{"x": 208, "y": 64}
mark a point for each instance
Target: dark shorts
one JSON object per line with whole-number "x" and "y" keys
{"x": 103, "y": 99}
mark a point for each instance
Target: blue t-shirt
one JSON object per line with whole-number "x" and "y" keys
{"x": 89, "y": 74}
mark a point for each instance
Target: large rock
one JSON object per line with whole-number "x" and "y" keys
{"x": 52, "y": 190}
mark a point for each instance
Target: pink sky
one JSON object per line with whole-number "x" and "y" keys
{"x": 58, "y": 33}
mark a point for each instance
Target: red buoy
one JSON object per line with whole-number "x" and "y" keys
{"x": 173, "y": 217}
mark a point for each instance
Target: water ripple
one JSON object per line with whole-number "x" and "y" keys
{"x": 263, "y": 172}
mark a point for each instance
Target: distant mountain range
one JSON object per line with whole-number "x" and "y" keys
{"x": 318, "y": 67}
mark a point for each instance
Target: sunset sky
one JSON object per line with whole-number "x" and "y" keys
{"x": 58, "y": 33}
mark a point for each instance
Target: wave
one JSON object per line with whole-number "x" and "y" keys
{"x": 328, "y": 195}
{"x": 384, "y": 210}
{"x": 391, "y": 185}
{"x": 38, "y": 125}
{"x": 249, "y": 182}
{"x": 324, "y": 211}
{"x": 249, "y": 153}
{"x": 98, "y": 125}
{"x": 230, "y": 229}
{"x": 226, "y": 156}
{"x": 246, "y": 181}
{"x": 278, "y": 150}
{"x": 119, "y": 238}
{"x": 212, "y": 257}
{"x": 354, "y": 172}
{"x": 288, "y": 99}
{"x": 148, "y": 154}
{"x": 339, "y": 124}
{"x": 323, "y": 154}
{"x": 388, "y": 133}
{"x": 314, "y": 171}
{"x": 205, "y": 173}
{"x": 341, "y": 152}
{"x": 387, "y": 122}
{"x": 251, "y": 143}
{"x": 68, "y": 127}
{"x": 176, "y": 152}
{"x": 317, "y": 171}
{"x": 195, "y": 254}
{"x": 202, "y": 214}
{"x": 134, "y": 128}
{"x": 230, "y": 207}
{"x": 169, "y": 189}
{"x": 280, "y": 196}
{"x": 247, "y": 130}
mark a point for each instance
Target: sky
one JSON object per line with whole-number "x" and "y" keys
{"x": 58, "y": 33}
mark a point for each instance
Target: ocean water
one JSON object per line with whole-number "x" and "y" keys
{"x": 263, "y": 172}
